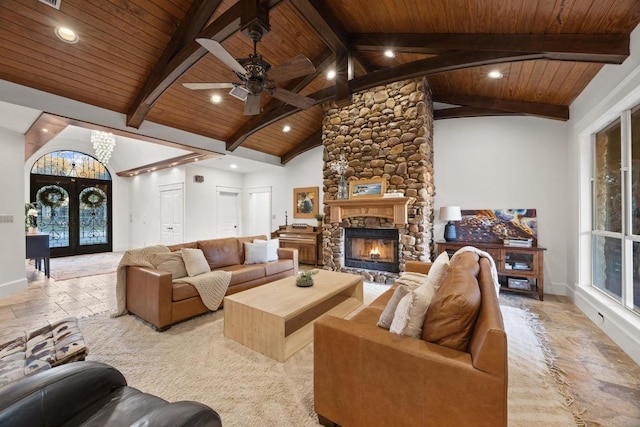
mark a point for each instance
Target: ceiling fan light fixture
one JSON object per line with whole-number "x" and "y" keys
{"x": 495, "y": 74}
{"x": 239, "y": 92}
{"x": 67, "y": 35}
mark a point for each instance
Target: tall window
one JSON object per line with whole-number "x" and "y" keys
{"x": 616, "y": 210}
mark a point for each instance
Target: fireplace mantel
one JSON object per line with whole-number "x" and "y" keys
{"x": 393, "y": 208}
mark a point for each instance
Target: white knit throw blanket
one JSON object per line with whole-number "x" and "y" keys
{"x": 135, "y": 257}
{"x": 211, "y": 286}
{"x": 482, "y": 254}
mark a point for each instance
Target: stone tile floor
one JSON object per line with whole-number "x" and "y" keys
{"x": 604, "y": 381}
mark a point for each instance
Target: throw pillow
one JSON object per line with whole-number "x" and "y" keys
{"x": 255, "y": 253}
{"x": 410, "y": 313}
{"x": 272, "y": 248}
{"x": 454, "y": 310}
{"x": 411, "y": 279}
{"x": 390, "y": 309}
{"x": 438, "y": 270}
{"x": 194, "y": 261}
{"x": 171, "y": 262}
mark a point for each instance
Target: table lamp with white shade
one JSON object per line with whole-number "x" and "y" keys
{"x": 450, "y": 213}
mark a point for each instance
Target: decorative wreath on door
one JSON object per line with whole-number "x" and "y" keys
{"x": 92, "y": 198}
{"x": 52, "y": 196}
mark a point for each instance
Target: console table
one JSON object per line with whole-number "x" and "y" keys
{"x": 38, "y": 250}
{"x": 519, "y": 269}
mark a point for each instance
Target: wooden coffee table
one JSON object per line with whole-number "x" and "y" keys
{"x": 276, "y": 319}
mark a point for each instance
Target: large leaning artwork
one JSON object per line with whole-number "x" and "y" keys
{"x": 495, "y": 225}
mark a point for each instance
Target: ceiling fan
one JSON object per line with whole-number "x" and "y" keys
{"x": 257, "y": 76}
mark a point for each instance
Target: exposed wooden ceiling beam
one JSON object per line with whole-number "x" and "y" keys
{"x": 327, "y": 26}
{"x": 462, "y": 112}
{"x": 600, "y": 48}
{"x": 186, "y": 53}
{"x": 436, "y": 64}
{"x": 313, "y": 141}
{"x": 165, "y": 75}
{"x": 419, "y": 68}
{"x": 549, "y": 111}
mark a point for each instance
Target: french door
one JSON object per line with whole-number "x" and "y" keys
{"x": 75, "y": 212}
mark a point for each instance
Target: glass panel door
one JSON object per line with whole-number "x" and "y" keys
{"x": 74, "y": 212}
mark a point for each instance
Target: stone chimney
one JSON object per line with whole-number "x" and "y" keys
{"x": 387, "y": 132}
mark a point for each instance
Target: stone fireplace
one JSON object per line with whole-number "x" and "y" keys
{"x": 385, "y": 133}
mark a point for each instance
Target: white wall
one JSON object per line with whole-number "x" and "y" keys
{"x": 615, "y": 89}
{"x": 506, "y": 163}
{"x": 200, "y": 200}
{"x": 12, "y": 243}
{"x": 303, "y": 171}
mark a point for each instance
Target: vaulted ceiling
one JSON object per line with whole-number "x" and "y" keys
{"x": 133, "y": 56}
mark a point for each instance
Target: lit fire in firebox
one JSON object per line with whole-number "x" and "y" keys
{"x": 375, "y": 253}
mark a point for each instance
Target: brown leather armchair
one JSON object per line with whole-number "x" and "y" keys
{"x": 367, "y": 376}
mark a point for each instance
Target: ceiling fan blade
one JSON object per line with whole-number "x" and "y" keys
{"x": 252, "y": 105}
{"x": 297, "y": 66}
{"x": 221, "y": 53}
{"x": 204, "y": 86}
{"x": 292, "y": 98}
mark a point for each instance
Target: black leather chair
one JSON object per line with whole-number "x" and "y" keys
{"x": 93, "y": 394}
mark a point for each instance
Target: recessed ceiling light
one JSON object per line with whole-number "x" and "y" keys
{"x": 495, "y": 74}
{"x": 233, "y": 166}
{"x": 331, "y": 74}
{"x": 45, "y": 130}
{"x": 216, "y": 99}
{"x": 389, "y": 53}
{"x": 67, "y": 35}
{"x": 286, "y": 128}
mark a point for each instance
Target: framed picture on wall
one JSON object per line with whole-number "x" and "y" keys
{"x": 367, "y": 188}
{"x": 305, "y": 202}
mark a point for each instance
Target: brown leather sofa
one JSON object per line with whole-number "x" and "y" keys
{"x": 161, "y": 301}
{"x": 367, "y": 376}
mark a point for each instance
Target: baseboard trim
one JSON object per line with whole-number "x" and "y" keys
{"x": 557, "y": 289}
{"x": 621, "y": 326}
{"x": 14, "y": 287}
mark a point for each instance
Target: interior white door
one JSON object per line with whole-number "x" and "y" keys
{"x": 171, "y": 216}
{"x": 258, "y": 220}
{"x": 228, "y": 213}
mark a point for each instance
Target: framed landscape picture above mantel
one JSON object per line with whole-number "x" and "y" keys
{"x": 305, "y": 202}
{"x": 367, "y": 188}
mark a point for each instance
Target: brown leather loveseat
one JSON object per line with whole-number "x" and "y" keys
{"x": 365, "y": 375}
{"x": 154, "y": 296}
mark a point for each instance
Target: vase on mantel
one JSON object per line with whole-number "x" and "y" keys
{"x": 32, "y": 230}
{"x": 343, "y": 189}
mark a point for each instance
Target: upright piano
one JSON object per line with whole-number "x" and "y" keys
{"x": 305, "y": 238}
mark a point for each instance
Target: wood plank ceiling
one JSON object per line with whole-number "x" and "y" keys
{"x": 134, "y": 55}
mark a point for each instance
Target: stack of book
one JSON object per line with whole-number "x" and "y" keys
{"x": 518, "y": 242}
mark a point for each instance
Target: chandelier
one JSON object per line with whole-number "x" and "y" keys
{"x": 103, "y": 143}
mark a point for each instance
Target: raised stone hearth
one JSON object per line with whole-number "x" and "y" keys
{"x": 385, "y": 133}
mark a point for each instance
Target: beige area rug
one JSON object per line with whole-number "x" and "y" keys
{"x": 84, "y": 265}
{"x": 194, "y": 361}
